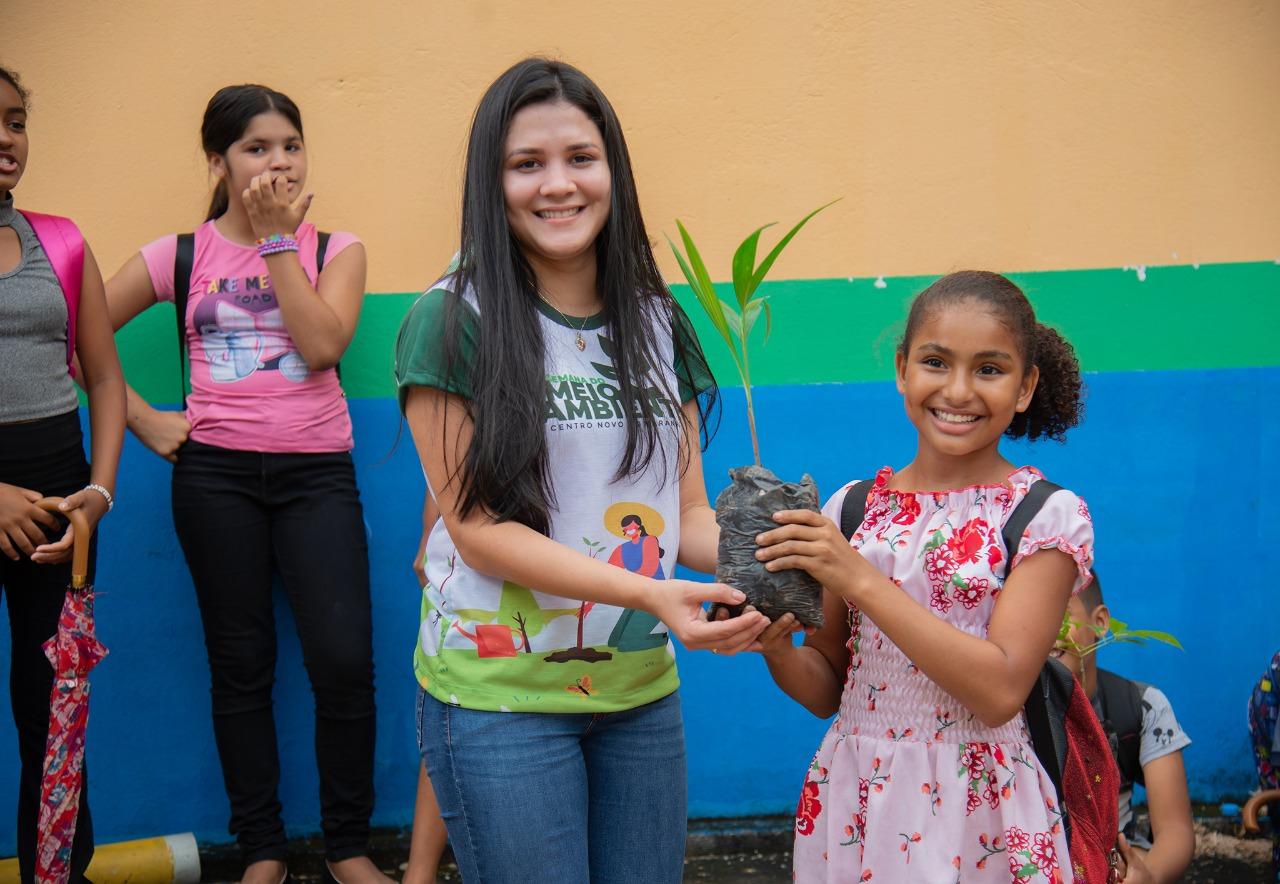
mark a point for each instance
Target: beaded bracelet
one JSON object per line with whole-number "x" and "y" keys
{"x": 104, "y": 492}
{"x": 275, "y": 244}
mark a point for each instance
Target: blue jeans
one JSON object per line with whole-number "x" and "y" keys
{"x": 572, "y": 798}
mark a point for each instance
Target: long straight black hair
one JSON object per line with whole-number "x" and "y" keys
{"x": 226, "y": 117}
{"x": 506, "y": 471}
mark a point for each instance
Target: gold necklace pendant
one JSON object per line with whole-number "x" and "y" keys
{"x": 577, "y": 332}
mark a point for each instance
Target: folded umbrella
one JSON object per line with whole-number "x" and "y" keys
{"x": 73, "y": 651}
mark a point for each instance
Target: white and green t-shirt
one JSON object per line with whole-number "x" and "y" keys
{"x": 486, "y": 643}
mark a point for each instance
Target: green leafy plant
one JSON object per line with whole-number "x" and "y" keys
{"x": 1118, "y": 633}
{"x": 734, "y": 322}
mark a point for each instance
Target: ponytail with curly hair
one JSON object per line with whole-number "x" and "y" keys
{"x": 12, "y": 78}
{"x": 1057, "y": 404}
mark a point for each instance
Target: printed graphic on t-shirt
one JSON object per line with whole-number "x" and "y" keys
{"x": 519, "y": 625}
{"x": 589, "y": 402}
{"x": 486, "y": 643}
{"x": 241, "y": 331}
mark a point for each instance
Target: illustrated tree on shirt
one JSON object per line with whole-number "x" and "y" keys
{"x": 586, "y": 655}
{"x": 491, "y": 632}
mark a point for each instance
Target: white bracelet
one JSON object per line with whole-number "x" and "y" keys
{"x": 104, "y": 492}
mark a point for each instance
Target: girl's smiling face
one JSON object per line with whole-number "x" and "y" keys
{"x": 963, "y": 379}
{"x": 13, "y": 137}
{"x": 556, "y": 181}
{"x": 270, "y": 143}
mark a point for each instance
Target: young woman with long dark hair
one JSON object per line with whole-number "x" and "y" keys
{"x": 42, "y": 324}
{"x": 554, "y": 388}
{"x": 263, "y": 480}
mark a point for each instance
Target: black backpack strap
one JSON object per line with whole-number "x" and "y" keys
{"x": 1021, "y": 517}
{"x": 1122, "y": 702}
{"x": 854, "y": 508}
{"x": 183, "y": 258}
{"x": 1045, "y": 709}
{"x": 1047, "y": 703}
{"x": 322, "y": 247}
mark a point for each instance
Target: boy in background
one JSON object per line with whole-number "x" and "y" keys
{"x": 1147, "y": 743}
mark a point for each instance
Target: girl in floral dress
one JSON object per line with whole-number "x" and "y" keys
{"x": 927, "y": 773}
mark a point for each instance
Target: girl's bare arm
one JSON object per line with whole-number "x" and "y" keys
{"x": 441, "y": 431}
{"x": 812, "y": 674}
{"x": 991, "y": 676}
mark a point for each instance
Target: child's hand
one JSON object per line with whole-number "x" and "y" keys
{"x": 1133, "y": 869}
{"x": 20, "y": 521}
{"x": 776, "y": 638}
{"x": 813, "y": 543}
{"x": 266, "y": 199}
{"x": 163, "y": 432}
{"x": 93, "y": 505}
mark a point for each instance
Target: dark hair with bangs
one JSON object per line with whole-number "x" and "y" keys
{"x": 506, "y": 471}
{"x": 226, "y": 118}
{"x": 1058, "y": 402}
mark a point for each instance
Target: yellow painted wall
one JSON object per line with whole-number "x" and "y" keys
{"x": 1014, "y": 134}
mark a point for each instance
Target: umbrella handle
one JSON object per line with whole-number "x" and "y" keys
{"x": 80, "y": 549}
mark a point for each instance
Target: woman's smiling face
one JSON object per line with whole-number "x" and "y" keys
{"x": 556, "y": 181}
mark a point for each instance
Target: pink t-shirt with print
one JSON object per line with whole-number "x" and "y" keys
{"x": 250, "y": 388}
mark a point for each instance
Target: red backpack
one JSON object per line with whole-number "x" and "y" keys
{"x": 64, "y": 247}
{"x": 1065, "y": 732}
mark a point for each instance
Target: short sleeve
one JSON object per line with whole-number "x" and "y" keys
{"x": 835, "y": 503}
{"x": 338, "y": 241}
{"x": 1161, "y": 734}
{"x": 693, "y": 375}
{"x": 1064, "y": 524}
{"x": 420, "y": 345}
{"x": 159, "y": 255}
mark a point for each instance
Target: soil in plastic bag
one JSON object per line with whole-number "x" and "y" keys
{"x": 743, "y": 510}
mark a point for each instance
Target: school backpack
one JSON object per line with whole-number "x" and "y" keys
{"x": 1124, "y": 707}
{"x": 183, "y": 259}
{"x": 64, "y": 247}
{"x": 1065, "y": 732}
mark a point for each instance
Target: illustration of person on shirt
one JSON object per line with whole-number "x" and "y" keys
{"x": 241, "y": 335}
{"x": 640, "y": 552}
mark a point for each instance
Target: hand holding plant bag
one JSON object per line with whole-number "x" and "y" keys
{"x": 746, "y": 507}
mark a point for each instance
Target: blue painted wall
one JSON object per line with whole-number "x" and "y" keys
{"x": 1175, "y": 466}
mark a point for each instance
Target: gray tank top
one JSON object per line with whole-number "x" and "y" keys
{"x": 34, "y": 382}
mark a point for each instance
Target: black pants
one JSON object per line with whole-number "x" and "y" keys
{"x": 46, "y": 456}
{"x": 240, "y": 516}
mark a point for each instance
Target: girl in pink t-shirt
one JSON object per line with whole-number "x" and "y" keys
{"x": 263, "y": 480}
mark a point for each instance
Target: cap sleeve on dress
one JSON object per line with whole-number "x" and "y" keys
{"x": 1063, "y": 523}
{"x": 831, "y": 509}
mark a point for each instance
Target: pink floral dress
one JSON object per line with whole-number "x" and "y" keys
{"x": 908, "y": 784}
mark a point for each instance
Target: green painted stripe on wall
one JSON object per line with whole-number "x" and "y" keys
{"x": 843, "y": 330}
